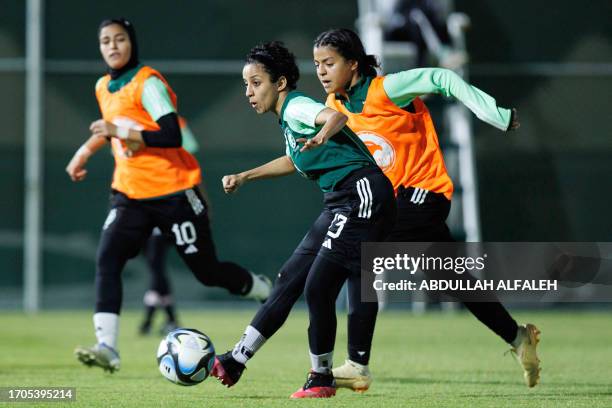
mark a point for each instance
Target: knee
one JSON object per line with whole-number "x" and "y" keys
{"x": 209, "y": 278}
{"x": 363, "y": 310}
{"x": 316, "y": 295}
{"x": 107, "y": 266}
{"x": 110, "y": 259}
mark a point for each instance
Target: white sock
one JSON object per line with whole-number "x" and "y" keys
{"x": 322, "y": 363}
{"x": 260, "y": 289}
{"x": 151, "y": 298}
{"x": 249, "y": 343}
{"x": 517, "y": 340}
{"x": 107, "y": 328}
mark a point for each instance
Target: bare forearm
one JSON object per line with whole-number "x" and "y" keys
{"x": 76, "y": 168}
{"x": 334, "y": 123}
{"x": 281, "y": 166}
{"x": 92, "y": 145}
{"x": 276, "y": 168}
{"x": 95, "y": 143}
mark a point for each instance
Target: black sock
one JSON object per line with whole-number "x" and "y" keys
{"x": 495, "y": 317}
{"x": 170, "y": 313}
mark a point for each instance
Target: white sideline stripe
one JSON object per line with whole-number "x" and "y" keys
{"x": 371, "y": 199}
{"x": 365, "y": 194}
{"x": 418, "y": 195}
{"x": 367, "y": 198}
{"x": 361, "y": 198}
{"x": 423, "y": 197}
{"x": 414, "y": 193}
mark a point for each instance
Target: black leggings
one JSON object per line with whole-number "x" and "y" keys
{"x": 321, "y": 270}
{"x": 155, "y": 251}
{"x": 181, "y": 217}
{"x": 426, "y": 222}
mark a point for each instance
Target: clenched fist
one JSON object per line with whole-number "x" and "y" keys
{"x": 232, "y": 182}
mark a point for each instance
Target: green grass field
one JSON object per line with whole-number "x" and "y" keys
{"x": 434, "y": 360}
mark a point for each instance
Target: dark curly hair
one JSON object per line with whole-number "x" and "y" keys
{"x": 277, "y": 60}
{"x": 349, "y": 45}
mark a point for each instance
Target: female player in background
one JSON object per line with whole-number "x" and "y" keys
{"x": 358, "y": 206}
{"x": 154, "y": 185}
{"x": 386, "y": 112}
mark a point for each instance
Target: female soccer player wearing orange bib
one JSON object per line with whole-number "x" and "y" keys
{"x": 154, "y": 185}
{"x": 386, "y": 112}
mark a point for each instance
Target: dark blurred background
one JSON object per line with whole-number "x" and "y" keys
{"x": 550, "y": 181}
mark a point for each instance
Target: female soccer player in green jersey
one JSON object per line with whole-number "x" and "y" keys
{"x": 359, "y": 206}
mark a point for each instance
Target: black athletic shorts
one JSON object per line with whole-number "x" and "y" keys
{"x": 362, "y": 208}
{"x": 181, "y": 217}
{"x": 421, "y": 216}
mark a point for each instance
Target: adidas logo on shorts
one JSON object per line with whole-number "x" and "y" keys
{"x": 191, "y": 249}
{"x": 327, "y": 243}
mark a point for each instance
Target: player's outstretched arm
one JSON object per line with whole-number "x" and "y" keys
{"x": 76, "y": 167}
{"x": 403, "y": 87}
{"x": 332, "y": 122}
{"x": 281, "y": 166}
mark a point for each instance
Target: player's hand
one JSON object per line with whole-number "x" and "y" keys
{"x": 515, "y": 124}
{"x": 132, "y": 147}
{"x": 232, "y": 183}
{"x": 103, "y": 128}
{"x": 76, "y": 167}
{"x": 312, "y": 143}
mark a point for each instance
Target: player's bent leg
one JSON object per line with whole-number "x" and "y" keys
{"x": 525, "y": 348}
{"x": 194, "y": 244}
{"x": 123, "y": 233}
{"x": 228, "y": 367}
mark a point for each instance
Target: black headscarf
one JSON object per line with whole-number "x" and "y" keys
{"x": 129, "y": 28}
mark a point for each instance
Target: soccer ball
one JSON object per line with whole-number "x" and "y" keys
{"x": 186, "y": 356}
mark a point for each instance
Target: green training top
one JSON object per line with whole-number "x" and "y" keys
{"x": 403, "y": 87}
{"x": 328, "y": 164}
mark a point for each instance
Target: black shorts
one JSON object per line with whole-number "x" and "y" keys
{"x": 421, "y": 216}
{"x": 181, "y": 218}
{"x": 361, "y": 209}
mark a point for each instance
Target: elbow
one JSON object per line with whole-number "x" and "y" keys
{"x": 167, "y": 139}
{"x": 341, "y": 119}
{"x": 173, "y": 145}
{"x": 175, "y": 141}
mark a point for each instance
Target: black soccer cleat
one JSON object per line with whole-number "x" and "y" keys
{"x": 227, "y": 369}
{"x": 145, "y": 328}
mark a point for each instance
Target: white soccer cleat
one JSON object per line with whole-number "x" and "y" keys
{"x": 528, "y": 338}
{"x": 353, "y": 375}
{"x": 260, "y": 291}
{"x": 99, "y": 355}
